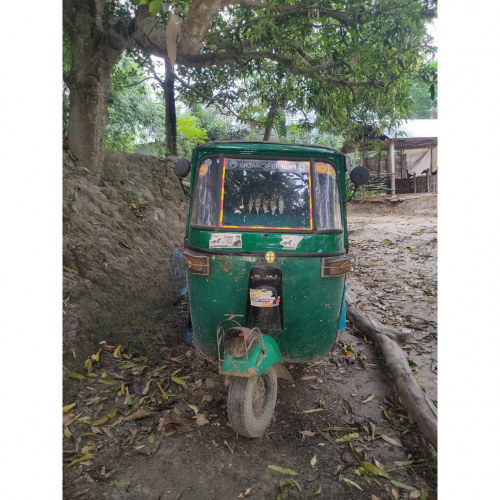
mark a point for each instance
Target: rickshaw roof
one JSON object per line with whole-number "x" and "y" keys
{"x": 245, "y": 147}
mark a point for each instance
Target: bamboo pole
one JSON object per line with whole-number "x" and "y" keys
{"x": 392, "y": 168}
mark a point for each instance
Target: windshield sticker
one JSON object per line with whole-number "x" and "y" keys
{"x": 331, "y": 171}
{"x": 290, "y": 241}
{"x": 321, "y": 168}
{"x": 203, "y": 170}
{"x": 225, "y": 240}
{"x": 263, "y": 298}
{"x": 271, "y": 165}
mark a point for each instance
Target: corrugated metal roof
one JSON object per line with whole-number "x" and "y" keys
{"x": 415, "y": 129}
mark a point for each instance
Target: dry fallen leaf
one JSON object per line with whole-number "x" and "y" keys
{"x": 67, "y": 408}
{"x": 313, "y": 410}
{"x": 81, "y": 459}
{"x": 110, "y": 416}
{"x": 210, "y": 383}
{"x": 173, "y": 418}
{"x": 162, "y": 390}
{"x": 369, "y": 398}
{"x": 307, "y": 434}
{"x": 395, "y": 493}
{"x": 194, "y": 408}
{"x": 313, "y": 461}
{"x": 390, "y": 440}
{"x": 146, "y": 388}
{"x": 201, "y": 419}
{"x": 245, "y": 493}
{"x": 403, "y": 464}
{"x": 317, "y": 492}
{"x": 352, "y": 483}
{"x": 283, "y": 470}
{"x": 415, "y": 494}
{"x": 107, "y": 432}
{"x": 374, "y": 470}
{"x": 178, "y": 380}
{"x": 140, "y": 413}
{"x": 116, "y": 353}
{"x": 402, "y": 485}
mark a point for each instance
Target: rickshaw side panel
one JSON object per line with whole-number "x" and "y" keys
{"x": 212, "y": 297}
{"x": 311, "y": 309}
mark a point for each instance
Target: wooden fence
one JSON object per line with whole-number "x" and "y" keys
{"x": 381, "y": 184}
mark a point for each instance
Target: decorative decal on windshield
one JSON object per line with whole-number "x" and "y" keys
{"x": 324, "y": 168}
{"x": 321, "y": 167}
{"x": 203, "y": 170}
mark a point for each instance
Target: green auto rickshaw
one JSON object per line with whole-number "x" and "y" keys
{"x": 266, "y": 252}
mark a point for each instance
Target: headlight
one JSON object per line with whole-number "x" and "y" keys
{"x": 197, "y": 264}
{"x": 335, "y": 266}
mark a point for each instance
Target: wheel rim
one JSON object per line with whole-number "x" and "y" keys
{"x": 260, "y": 395}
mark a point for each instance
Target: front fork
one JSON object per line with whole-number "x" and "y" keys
{"x": 245, "y": 352}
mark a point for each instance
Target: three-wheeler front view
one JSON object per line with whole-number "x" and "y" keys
{"x": 266, "y": 252}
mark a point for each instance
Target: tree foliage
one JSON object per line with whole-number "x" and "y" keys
{"x": 135, "y": 114}
{"x": 349, "y": 61}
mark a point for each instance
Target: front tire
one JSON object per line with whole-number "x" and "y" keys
{"x": 251, "y": 402}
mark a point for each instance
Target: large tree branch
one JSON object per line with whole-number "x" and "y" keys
{"x": 195, "y": 27}
{"x": 220, "y": 105}
{"x": 237, "y": 56}
{"x": 309, "y": 6}
{"x": 419, "y": 407}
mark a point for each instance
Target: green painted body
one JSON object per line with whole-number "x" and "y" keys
{"x": 311, "y": 304}
{"x": 259, "y": 360}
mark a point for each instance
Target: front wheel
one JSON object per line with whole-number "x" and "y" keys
{"x": 251, "y": 402}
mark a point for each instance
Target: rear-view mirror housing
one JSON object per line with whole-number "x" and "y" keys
{"x": 182, "y": 167}
{"x": 359, "y": 175}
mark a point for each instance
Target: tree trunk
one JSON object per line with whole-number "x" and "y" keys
{"x": 94, "y": 51}
{"x": 273, "y": 111}
{"x": 420, "y": 409}
{"x": 170, "y": 116}
{"x": 87, "y": 120}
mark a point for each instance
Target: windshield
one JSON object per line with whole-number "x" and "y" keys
{"x": 266, "y": 194}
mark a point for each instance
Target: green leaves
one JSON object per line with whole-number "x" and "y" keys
{"x": 156, "y": 7}
{"x": 348, "y": 437}
{"x": 374, "y": 470}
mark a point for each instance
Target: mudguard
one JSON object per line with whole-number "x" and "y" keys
{"x": 260, "y": 358}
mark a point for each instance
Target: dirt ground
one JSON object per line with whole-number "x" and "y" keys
{"x": 151, "y": 422}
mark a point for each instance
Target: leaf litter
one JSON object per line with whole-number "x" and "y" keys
{"x": 169, "y": 417}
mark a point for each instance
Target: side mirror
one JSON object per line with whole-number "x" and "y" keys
{"x": 359, "y": 176}
{"x": 182, "y": 167}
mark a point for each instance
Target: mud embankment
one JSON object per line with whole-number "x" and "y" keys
{"x": 120, "y": 278}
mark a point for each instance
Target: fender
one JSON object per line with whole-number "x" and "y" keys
{"x": 260, "y": 358}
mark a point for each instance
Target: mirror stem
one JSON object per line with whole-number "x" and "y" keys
{"x": 353, "y": 193}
